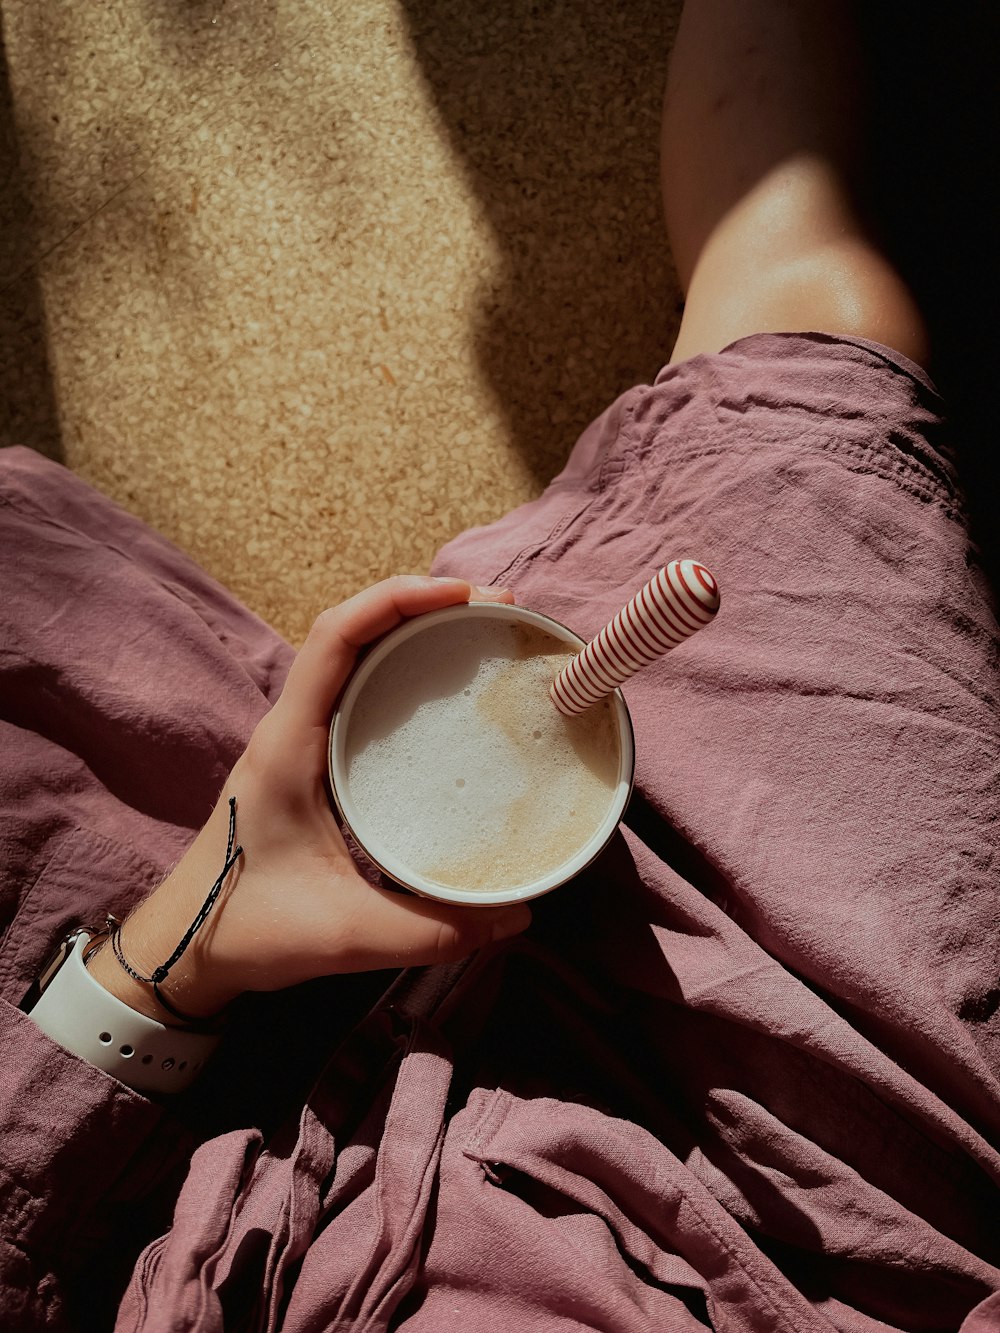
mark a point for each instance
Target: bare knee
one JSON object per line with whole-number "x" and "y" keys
{"x": 792, "y": 256}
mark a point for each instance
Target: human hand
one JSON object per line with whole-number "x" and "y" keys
{"x": 295, "y": 906}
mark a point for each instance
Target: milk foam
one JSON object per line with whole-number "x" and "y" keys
{"x": 460, "y": 766}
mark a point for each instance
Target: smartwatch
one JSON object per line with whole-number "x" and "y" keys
{"x": 78, "y": 1013}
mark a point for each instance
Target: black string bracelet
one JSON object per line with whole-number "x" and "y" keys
{"x": 160, "y": 974}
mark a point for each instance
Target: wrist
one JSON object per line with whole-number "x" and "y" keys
{"x": 130, "y": 962}
{"x": 76, "y": 1011}
{"x": 184, "y": 985}
{"x": 104, "y": 968}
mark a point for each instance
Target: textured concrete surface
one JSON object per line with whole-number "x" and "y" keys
{"x": 312, "y": 287}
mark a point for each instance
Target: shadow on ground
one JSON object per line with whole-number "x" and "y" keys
{"x": 553, "y": 112}
{"x": 28, "y": 412}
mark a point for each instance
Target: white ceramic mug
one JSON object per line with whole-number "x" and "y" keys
{"x": 393, "y": 864}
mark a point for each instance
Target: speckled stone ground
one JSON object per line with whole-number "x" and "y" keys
{"x": 312, "y": 287}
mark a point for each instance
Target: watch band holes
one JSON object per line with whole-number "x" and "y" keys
{"x": 104, "y": 1038}
{"x": 126, "y": 1051}
{"x": 183, "y": 1065}
{"x": 147, "y": 1059}
{"x": 168, "y": 1063}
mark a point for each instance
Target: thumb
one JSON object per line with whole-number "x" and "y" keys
{"x": 400, "y": 931}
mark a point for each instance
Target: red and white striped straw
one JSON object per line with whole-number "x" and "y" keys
{"x": 682, "y": 598}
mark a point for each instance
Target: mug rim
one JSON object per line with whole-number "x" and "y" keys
{"x": 394, "y": 869}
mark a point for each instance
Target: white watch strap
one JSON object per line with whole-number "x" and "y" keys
{"x": 78, "y": 1013}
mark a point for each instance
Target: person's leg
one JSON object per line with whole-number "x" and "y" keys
{"x": 762, "y": 171}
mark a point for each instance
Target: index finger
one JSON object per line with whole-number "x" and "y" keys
{"x": 331, "y": 649}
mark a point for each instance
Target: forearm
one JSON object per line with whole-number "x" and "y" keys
{"x": 197, "y": 984}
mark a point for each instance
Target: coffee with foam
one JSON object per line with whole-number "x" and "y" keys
{"x": 459, "y": 766}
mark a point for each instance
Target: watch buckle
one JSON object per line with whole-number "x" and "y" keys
{"x": 59, "y": 955}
